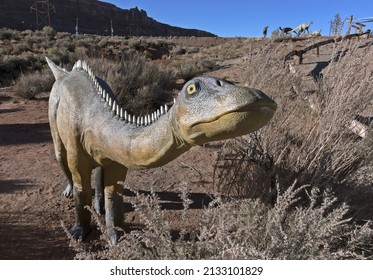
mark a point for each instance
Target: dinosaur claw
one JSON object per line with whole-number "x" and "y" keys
{"x": 78, "y": 232}
{"x": 114, "y": 235}
{"x": 68, "y": 192}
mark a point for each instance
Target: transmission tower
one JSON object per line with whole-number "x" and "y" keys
{"x": 42, "y": 10}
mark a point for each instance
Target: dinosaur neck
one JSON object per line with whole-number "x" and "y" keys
{"x": 115, "y": 136}
{"x": 140, "y": 146}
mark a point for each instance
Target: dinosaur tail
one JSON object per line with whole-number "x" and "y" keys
{"x": 58, "y": 72}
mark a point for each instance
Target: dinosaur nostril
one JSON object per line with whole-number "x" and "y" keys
{"x": 218, "y": 83}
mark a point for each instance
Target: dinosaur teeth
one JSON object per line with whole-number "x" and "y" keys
{"x": 110, "y": 101}
{"x": 166, "y": 108}
{"x": 174, "y": 100}
{"x": 162, "y": 110}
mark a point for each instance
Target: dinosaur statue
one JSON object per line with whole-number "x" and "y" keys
{"x": 286, "y": 30}
{"x": 302, "y": 28}
{"x": 265, "y": 30}
{"x": 89, "y": 130}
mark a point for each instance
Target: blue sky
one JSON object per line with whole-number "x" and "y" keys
{"x": 247, "y": 18}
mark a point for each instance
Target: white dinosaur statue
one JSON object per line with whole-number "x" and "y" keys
{"x": 302, "y": 28}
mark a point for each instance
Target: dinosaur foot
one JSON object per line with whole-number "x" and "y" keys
{"x": 68, "y": 192}
{"x": 114, "y": 234}
{"x": 78, "y": 232}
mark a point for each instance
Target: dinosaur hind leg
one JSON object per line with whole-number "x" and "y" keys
{"x": 114, "y": 199}
{"x": 98, "y": 186}
{"x": 81, "y": 169}
{"x": 61, "y": 157}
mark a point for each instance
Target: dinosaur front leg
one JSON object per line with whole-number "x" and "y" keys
{"x": 114, "y": 199}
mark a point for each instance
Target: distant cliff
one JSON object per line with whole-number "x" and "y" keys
{"x": 94, "y": 17}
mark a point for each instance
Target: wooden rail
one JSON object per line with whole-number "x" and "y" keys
{"x": 299, "y": 53}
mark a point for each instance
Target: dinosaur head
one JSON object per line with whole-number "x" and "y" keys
{"x": 209, "y": 109}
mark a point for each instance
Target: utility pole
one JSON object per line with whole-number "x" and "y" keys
{"x": 77, "y": 26}
{"x": 42, "y": 10}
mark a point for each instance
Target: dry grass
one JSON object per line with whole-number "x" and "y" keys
{"x": 31, "y": 84}
{"x": 242, "y": 229}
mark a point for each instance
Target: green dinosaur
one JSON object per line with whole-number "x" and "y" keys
{"x": 89, "y": 130}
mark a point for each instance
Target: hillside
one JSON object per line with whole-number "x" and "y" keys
{"x": 94, "y": 17}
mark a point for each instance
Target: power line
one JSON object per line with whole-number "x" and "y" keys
{"x": 42, "y": 10}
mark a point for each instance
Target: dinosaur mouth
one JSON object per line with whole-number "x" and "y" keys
{"x": 246, "y": 111}
{"x": 234, "y": 123}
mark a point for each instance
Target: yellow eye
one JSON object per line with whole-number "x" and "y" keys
{"x": 191, "y": 89}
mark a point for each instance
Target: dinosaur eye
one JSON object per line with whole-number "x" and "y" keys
{"x": 192, "y": 88}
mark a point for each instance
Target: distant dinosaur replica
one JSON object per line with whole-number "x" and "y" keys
{"x": 89, "y": 130}
{"x": 286, "y": 30}
{"x": 301, "y": 28}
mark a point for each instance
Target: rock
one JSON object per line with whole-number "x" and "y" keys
{"x": 94, "y": 16}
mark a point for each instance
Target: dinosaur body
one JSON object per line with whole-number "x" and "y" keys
{"x": 89, "y": 130}
{"x": 286, "y": 30}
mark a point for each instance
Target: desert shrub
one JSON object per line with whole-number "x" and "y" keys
{"x": 49, "y": 31}
{"x": 336, "y": 25}
{"x": 8, "y": 34}
{"x": 10, "y": 68}
{"x": 241, "y": 229}
{"x": 140, "y": 87}
{"x": 153, "y": 48}
{"x": 277, "y": 34}
{"x": 314, "y": 144}
{"x": 189, "y": 68}
{"x": 60, "y": 55}
{"x": 65, "y": 43}
{"x": 30, "y": 85}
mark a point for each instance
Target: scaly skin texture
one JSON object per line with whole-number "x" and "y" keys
{"x": 87, "y": 134}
